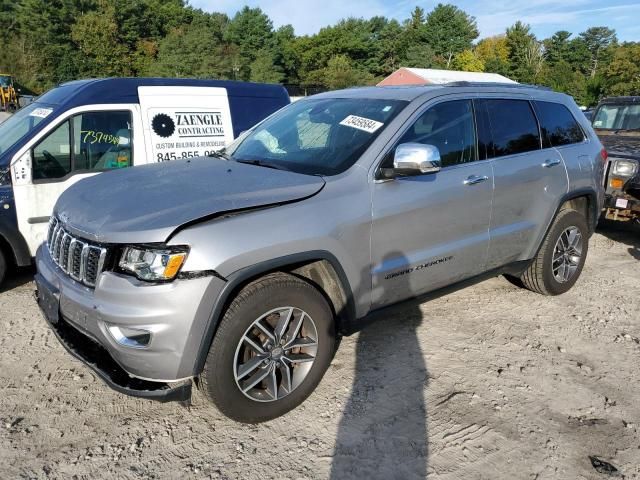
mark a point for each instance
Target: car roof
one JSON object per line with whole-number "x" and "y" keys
{"x": 413, "y": 92}
{"x": 622, "y": 99}
{"x": 125, "y": 90}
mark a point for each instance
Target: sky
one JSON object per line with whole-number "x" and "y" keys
{"x": 493, "y": 16}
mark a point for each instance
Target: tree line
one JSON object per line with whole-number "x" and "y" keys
{"x": 46, "y": 42}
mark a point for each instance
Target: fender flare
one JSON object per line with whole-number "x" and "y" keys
{"x": 242, "y": 276}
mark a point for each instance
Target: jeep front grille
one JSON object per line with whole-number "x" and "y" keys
{"x": 79, "y": 259}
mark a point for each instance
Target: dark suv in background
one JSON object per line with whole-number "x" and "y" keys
{"x": 617, "y": 123}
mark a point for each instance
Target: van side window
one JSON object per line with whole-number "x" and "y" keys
{"x": 92, "y": 141}
{"x": 514, "y": 128}
{"x": 52, "y": 156}
{"x": 102, "y": 140}
{"x": 449, "y": 126}
{"x": 559, "y": 127}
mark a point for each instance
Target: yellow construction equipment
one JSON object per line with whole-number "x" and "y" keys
{"x": 8, "y": 95}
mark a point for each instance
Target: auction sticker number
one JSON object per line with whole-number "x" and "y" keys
{"x": 361, "y": 123}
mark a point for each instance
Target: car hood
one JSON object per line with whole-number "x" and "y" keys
{"x": 625, "y": 144}
{"x": 146, "y": 204}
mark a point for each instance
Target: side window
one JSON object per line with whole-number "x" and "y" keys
{"x": 52, "y": 156}
{"x": 449, "y": 126}
{"x": 514, "y": 128}
{"x": 92, "y": 141}
{"x": 559, "y": 127}
{"x": 102, "y": 140}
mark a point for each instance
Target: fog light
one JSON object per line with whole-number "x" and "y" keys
{"x": 616, "y": 183}
{"x": 130, "y": 337}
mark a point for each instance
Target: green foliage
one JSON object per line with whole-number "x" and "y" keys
{"x": 449, "y": 31}
{"x": 468, "y": 61}
{"x": 623, "y": 74}
{"x": 264, "y": 69}
{"x": 50, "y": 41}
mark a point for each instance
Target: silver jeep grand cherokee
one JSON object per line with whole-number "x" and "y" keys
{"x": 242, "y": 271}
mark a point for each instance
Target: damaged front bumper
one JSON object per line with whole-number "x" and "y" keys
{"x": 173, "y": 317}
{"x": 622, "y": 199}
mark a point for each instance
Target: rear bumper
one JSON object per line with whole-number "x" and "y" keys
{"x": 175, "y": 314}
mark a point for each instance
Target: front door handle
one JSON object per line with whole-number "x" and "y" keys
{"x": 474, "y": 179}
{"x": 551, "y": 163}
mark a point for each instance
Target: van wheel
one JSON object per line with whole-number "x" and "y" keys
{"x": 559, "y": 262}
{"x": 271, "y": 349}
{"x": 3, "y": 266}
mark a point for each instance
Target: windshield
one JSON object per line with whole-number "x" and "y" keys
{"x": 317, "y": 136}
{"x": 21, "y": 123}
{"x": 617, "y": 117}
{"x": 5, "y": 81}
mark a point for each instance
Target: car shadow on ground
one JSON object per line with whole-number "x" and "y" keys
{"x": 627, "y": 233}
{"x": 383, "y": 430}
{"x": 17, "y": 277}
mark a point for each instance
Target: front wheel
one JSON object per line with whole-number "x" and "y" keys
{"x": 558, "y": 264}
{"x": 3, "y": 266}
{"x": 271, "y": 350}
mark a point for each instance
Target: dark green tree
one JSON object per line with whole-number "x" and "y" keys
{"x": 449, "y": 30}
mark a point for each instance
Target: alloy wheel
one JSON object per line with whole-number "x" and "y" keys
{"x": 275, "y": 354}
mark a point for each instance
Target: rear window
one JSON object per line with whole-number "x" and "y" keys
{"x": 513, "y": 126}
{"x": 559, "y": 127}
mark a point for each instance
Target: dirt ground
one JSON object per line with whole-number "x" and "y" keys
{"x": 487, "y": 382}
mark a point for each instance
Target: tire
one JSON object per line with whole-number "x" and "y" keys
{"x": 268, "y": 301}
{"x": 3, "y": 266}
{"x": 539, "y": 276}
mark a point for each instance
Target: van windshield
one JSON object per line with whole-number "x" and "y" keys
{"x": 21, "y": 123}
{"x": 617, "y": 117}
{"x": 316, "y": 136}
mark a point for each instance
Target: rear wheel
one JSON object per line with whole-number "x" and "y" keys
{"x": 558, "y": 264}
{"x": 271, "y": 350}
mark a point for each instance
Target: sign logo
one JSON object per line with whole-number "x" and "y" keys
{"x": 163, "y": 125}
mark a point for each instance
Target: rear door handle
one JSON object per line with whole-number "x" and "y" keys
{"x": 551, "y": 163}
{"x": 474, "y": 179}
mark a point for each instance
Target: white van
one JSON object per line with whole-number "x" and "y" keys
{"x": 89, "y": 126}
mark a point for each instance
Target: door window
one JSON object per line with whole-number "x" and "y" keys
{"x": 52, "y": 156}
{"x": 514, "y": 128}
{"x": 449, "y": 126}
{"x": 558, "y": 126}
{"x": 88, "y": 142}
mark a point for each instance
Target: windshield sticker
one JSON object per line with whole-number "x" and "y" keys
{"x": 41, "y": 112}
{"x": 361, "y": 123}
{"x": 597, "y": 123}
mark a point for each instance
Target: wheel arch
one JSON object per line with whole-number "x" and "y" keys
{"x": 320, "y": 268}
{"x": 582, "y": 200}
{"x": 14, "y": 246}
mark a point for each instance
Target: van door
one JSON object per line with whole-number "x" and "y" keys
{"x": 83, "y": 142}
{"x": 184, "y": 122}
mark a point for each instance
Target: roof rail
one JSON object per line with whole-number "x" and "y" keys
{"x": 465, "y": 83}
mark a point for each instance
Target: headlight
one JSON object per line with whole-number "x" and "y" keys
{"x": 153, "y": 264}
{"x": 625, "y": 168}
